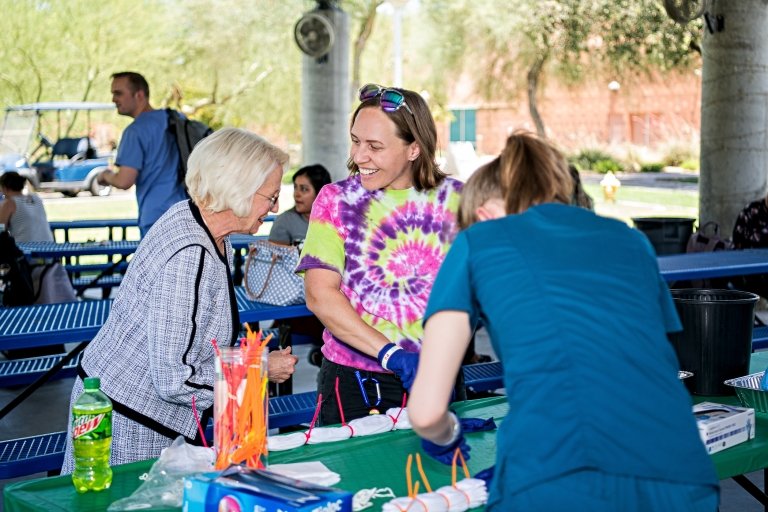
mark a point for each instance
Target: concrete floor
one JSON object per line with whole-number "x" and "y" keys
{"x": 46, "y": 411}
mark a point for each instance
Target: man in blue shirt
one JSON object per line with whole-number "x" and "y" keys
{"x": 147, "y": 156}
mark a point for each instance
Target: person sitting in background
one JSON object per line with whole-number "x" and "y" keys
{"x": 751, "y": 232}
{"x": 290, "y": 227}
{"x": 578, "y": 315}
{"x": 25, "y": 218}
{"x": 154, "y": 352}
{"x": 23, "y": 214}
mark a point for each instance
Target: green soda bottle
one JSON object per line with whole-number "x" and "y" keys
{"x": 92, "y": 438}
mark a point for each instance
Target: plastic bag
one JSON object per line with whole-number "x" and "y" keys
{"x": 164, "y": 484}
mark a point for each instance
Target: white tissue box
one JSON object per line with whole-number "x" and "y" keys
{"x": 722, "y": 426}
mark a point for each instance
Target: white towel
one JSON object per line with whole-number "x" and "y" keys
{"x": 314, "y": 472}
{"x": 369, "y": 425}
{"x": 286, "y": 442}
{"x": 328, "y": 434}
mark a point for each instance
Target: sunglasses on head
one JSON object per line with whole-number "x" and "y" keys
{"x": 390, "y": 99}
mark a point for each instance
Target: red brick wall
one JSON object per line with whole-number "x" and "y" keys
{"x": 647, "y": 112}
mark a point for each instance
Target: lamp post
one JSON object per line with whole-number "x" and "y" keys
{"x": 397, "y": 36}
{"x": 613, "y": 88}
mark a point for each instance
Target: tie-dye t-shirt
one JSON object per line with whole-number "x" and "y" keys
{"x": 388, "y": 246}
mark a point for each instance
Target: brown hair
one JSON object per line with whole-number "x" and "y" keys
{"x": 418, "y": 127}
{"x": 484, "y": 184}
{"x": 533, "y": 172}
{"x": 137, "y": 82}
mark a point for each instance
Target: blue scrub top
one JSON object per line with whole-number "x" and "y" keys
{"x": 578, "y": 314}
{"x": 148, "y": 146}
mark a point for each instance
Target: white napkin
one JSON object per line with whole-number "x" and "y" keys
{"x": 314, "y": 472}
{"x": 328, "y": 434}
{"x": 369, "y": 425}
{"x": 286, "y": 442}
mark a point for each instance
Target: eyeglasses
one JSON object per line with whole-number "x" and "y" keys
{"x": 272, "y": 199}
{"x": 391, "y": 99}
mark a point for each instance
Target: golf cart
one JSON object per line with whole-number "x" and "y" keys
{"x": 61, "y": 164}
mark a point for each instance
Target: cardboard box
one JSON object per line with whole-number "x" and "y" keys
{"x": 246, "y": 490}
{"x": 722, "y": 426}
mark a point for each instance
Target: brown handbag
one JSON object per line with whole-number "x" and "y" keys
{"x": 270, "y": 275}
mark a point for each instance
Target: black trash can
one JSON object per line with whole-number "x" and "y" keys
{"x": 716, "y": 341}
{"x": 668, "y": 235}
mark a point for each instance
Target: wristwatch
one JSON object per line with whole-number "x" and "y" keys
{"x": 455, "y": 430}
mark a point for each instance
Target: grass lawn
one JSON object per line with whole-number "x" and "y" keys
{"x": 646, "y": 202}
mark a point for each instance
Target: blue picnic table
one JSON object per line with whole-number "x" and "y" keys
{"x": 47, "y": 324}
{"x": 109, "y": 224}
{"x": 704, "y": 265}
{"x": 108, "y": 248}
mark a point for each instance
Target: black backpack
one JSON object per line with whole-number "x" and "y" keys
{"x": 187, "y": 133}
{"x": 15, "y": 274}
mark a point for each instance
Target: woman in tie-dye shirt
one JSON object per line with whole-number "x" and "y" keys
{"x": 374, "y": 245}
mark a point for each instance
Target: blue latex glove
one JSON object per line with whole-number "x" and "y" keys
{"x": 486, "y": 475}
{"x": 470, "y": 425}
{"x": 400, "y": 362}
{"x": 444, "y": 453}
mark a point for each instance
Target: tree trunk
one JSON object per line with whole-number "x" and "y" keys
{"x": 533, "y": 83}
{"x": 734, "y": 111}
{"x": 366, "y": 28}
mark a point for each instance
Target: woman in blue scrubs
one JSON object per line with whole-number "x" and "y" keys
{"x": 579, "y": 315}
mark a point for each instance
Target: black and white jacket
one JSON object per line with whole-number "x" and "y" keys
{"x": 154, "y": 351}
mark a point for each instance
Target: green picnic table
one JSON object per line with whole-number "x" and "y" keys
{"x": 368, "y": 462}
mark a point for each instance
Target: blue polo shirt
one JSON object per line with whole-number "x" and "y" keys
{"x": 578, "y": 314}
{"x": 148, "y": 146}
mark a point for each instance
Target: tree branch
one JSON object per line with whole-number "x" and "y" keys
{"x": 534, "y": 72}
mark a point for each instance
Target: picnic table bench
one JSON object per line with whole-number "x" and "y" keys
{"x": 45, "y": 452}
{"x": 108, "y": 275}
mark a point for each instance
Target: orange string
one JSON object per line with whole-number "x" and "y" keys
{"x": 408, "y": 475}
{"x": 421, "y": 473}
{"x": 456, "y": 456}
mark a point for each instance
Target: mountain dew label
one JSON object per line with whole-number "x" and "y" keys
{"x": 92, "y": 426}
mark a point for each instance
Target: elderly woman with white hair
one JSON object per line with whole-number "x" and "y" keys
{"x": 154, "y": 352}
